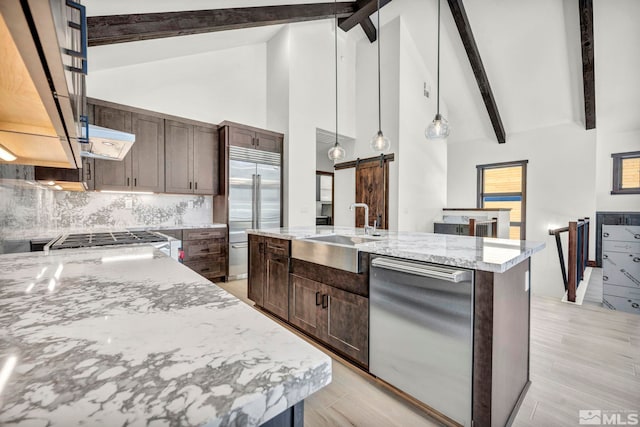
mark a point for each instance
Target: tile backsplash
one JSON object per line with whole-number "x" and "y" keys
{"x": 27, "y": 210}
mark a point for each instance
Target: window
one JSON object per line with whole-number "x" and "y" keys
{"x": 503, "y": 185}
{"x": 626, "y": 173}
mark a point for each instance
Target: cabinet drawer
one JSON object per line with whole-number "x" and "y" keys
{"x": 204, "y": 233}
{"x": 621, "y": 291}
{"x": 277, "y": 247}
{"x": 622, "y": 233}
{"x": 629, "y": 305}
{"x": 208, "y": 268}
{"x": 203, "y": 248}
{"x": 177, "y": 234}
{"x": 621, "y": 268}
{"x": 620, "y": 246}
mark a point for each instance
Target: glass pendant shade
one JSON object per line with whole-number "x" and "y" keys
{"x": 380, "y": 143}
{"x": 336, "y": 152}
{"x": 438, "y": 128}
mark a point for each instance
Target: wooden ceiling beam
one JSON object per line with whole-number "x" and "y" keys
{"x": 369, "y": 29}
{"x": 588, "y": 76}
{"x": 111, "y": 29}
{"x": 469, "y": 42}
{"x": 365, "y": 8}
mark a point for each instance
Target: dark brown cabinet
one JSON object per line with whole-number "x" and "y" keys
{"x": 109, "y": 174}
{"x": 268, "y": 284}
{"x": 191, "y": 152}
{"x": 143, "y": 168}
{"x": 147, "y": 157}
{"x": 248, "y": 137}
{"x": 332, "y": 315}
{"x": 205, "y": 251}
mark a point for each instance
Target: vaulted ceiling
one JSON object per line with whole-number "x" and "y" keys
{"x": 531, "y": 52}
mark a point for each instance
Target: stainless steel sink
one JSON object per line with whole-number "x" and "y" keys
{"x": 342, "y": 240}
{"x": 334, "y": 250}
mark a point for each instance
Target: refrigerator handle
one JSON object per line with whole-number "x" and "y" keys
{"x": 259, "y": 199}
{"x": 254, "y": 197}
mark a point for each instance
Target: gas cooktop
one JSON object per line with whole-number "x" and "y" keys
{"x": 84, "y": 240}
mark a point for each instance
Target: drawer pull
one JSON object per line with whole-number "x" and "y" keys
{"x": 605, "y": 234}
{"x": 206, "y": 269}
{"x": 636, "y": 259}
{"x": 605, "y": 278}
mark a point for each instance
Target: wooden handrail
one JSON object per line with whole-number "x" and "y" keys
{"x": 578, "y": 246}
{"x": 473, "y": 223}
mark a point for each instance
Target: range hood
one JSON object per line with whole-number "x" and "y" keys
{"x": 107, "y": 144}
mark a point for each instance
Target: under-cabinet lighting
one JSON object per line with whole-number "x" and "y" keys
{"x": 6, "y": 155}
{"x": 126, "y": 192}
{"x": 57, "y": 187}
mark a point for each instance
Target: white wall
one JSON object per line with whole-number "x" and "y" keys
{"x": 417, "y": 176}
{"x": 560, "y": 183}
{"x": 311, "y": 104}
{"x": 222, "y": 85}
{"x": 422, "y": 164}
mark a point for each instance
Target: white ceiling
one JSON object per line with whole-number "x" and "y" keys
{"x": 114, "y": 56}
{"x": 530, "y": 49}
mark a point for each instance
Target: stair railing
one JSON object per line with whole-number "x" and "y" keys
{"x": 578, "y": 247}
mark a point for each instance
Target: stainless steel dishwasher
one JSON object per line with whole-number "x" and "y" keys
{"x": 421, "y": 332}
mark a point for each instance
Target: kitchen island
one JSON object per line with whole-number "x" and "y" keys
{"x": 128, "y": 336}
{"x": 456, "y": 338}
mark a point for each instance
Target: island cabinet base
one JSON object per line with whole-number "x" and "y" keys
{"x": 292, "y": 417}
{"x": 501, "y": 344}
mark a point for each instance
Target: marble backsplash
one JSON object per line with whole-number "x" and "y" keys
{"x": 27, "y": 210}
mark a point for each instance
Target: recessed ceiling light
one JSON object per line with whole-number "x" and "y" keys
{"x": 6, "y": 155}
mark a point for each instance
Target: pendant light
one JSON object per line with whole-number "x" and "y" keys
{"x": 439, "y": 127}
{"x": 337, "y": 152}
{"x": 379, "y": 142}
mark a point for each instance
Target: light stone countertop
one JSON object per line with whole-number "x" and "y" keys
{"x": 478, "y": 253}
{"x": 127, "y": 336}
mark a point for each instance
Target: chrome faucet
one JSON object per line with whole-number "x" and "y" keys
{"x": 367, "y": 229}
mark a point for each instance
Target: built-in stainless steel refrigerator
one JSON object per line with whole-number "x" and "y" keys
{"x": 254, "y": 200}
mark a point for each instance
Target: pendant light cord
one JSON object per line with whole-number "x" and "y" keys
{"x": 335, "y": 4}
{"x": 438, "y": 71}
{"x": 379, "y": 84}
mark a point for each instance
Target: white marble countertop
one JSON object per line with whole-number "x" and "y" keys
{"x": 478, "y": 253}
{"x": 127, "y": 336}
{"x": 51, "y": 233}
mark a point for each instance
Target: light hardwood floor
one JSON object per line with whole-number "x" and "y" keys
{"x": 582, "y": 357}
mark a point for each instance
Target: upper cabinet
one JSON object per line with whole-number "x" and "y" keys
{"x": 191, "y": 155}
{"x": 249, "y": 137}
{"x": 43, "y": 51}
{"x": 170, "y": 154}
{"x": 143, "y": 168}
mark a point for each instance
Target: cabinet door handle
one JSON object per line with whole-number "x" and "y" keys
{"x": 128, "y": 182}
{"x": 205, "y": 250}
{"x": 205, "y": 269}
{"x": 135, "y": 182}
{"x": 318, "y": 298}
{"x": 190, "y": 185}
{"x": 636, "y": 259}
{"x": 325, "y": 301}
{"x": 257, "y": 141}
{"x": 196, "y": 185}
